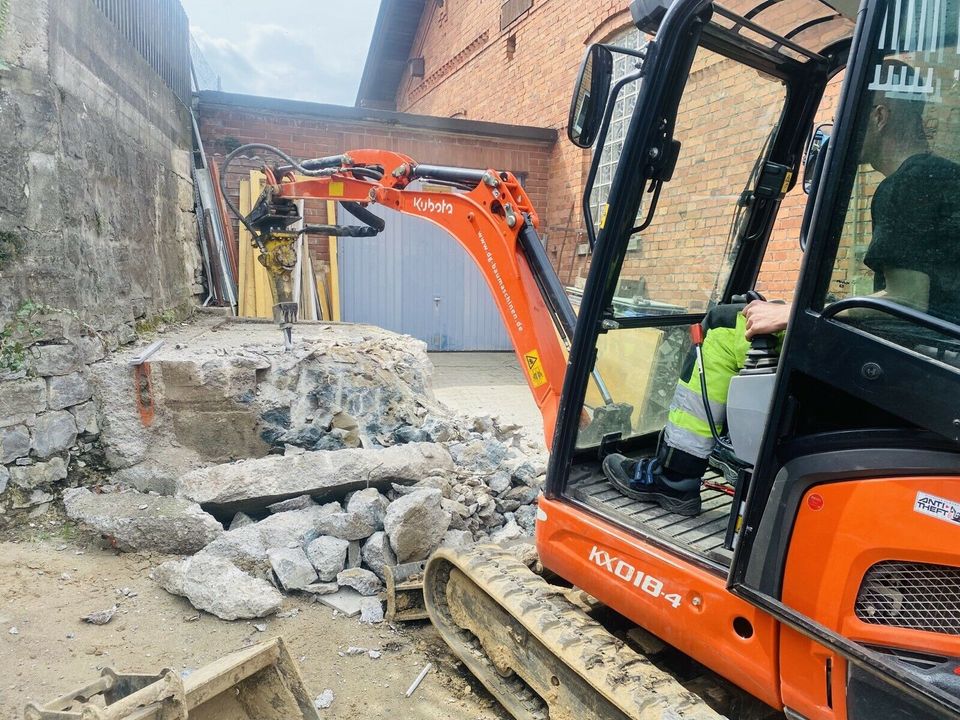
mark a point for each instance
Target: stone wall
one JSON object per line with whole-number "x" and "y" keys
{"x": 48, "y": 421}
{"x": 96, "y": 200}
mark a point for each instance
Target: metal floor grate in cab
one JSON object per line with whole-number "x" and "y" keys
{"x": 703, "y": 534}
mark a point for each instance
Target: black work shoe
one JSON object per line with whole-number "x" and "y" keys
{"x": 642, "y": 480}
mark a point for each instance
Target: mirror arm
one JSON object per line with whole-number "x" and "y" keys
{"x": 595, "y": 161}
{"x": 642, "y": 53}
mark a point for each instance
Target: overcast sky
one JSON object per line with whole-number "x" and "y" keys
{"x": 296, "y": 49}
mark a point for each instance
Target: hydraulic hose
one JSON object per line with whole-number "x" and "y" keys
{"x": 317, "y": 171}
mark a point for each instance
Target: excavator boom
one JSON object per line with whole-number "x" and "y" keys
{"x": 486, "y": 211}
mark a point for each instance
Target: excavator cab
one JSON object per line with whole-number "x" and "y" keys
{"x": 825, "y": 581}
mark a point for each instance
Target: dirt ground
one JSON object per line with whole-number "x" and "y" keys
{"x": 47, "y": 582}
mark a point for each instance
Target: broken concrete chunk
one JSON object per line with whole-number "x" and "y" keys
{"x": 483, "y": 456}
{"x": 328, "y": 555}
{"x": 415, "y": 524}
{"x": 218, "y": 587}
{"x": 347, "y": 526}
{"x": 259, "y": 482}
{"x": 515, "y": 497}
{"x": 295, "y": 503}
{"x": 499, "y": 482}
{"x": 346, "y": 601}
{"x": 377, "y": 554}
{"x": 246, "y": 547}
{"x": 371, "y": 613}
{"x": 136, "y": 521}
{"x": 100, "y": 617}
{"x": 354, "y": 557}
{"x": 322, "y": 588}
{"x": 363, "y": 581}
{"x": 4, "y": 478}
{"x": 526, "y": 517}
{"x": 456, "y": 539}
{"x": 292, "y": 568}
{"x": 324, "y": 700}
{"x": 240, "y": 520}
{"x": 53, "y": 432}
{"x": 529, "y": 472}
{"x": 510, "y": 531}
{"x": 369, "y": 504}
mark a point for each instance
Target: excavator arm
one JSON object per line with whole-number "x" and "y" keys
{"x": 486, "y": 211}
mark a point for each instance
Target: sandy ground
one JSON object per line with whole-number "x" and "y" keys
{"x": 50, "y": 577}
{"x": 47, "y": 584}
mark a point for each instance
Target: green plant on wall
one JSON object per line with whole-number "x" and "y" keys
{"x": 16, "y": 337}
{"x": 19, "y": 334}
{"x": 11, "y": 245}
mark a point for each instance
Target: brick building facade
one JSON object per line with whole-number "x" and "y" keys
{"x": 495, "y": 59}
{"x": 307, "y": 130}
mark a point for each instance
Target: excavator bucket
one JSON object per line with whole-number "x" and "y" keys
{"x": 261, "y": 682}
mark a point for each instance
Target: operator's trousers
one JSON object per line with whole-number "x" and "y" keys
{"x": 687, "y": 440}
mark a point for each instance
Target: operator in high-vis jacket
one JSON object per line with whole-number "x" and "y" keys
{"x": 914, "y": 254}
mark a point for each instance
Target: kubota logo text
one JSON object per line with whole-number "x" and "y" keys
{"x": 629, "y": 574}
{"x": 438, "y": 207}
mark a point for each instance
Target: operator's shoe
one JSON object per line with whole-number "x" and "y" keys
{"x": 642, "y": 480}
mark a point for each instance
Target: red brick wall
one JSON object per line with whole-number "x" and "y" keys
{"x": 301, "y": 135}
{"x": 470, "y": 72}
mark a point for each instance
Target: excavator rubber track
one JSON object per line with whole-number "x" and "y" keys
{"x": 539, "y": 654}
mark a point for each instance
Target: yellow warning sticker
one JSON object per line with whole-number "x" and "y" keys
{"x": 786, "y": 182}
{"x": 603, "y": 215}
{"x": 537, "y": 376}
{"x": 336, "y": 189}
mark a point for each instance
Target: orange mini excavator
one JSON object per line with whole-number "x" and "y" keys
{"x": 822, "y": 580}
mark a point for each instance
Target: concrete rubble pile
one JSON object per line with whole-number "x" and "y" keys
{"x": 354, "y": 466}
{"x": 335, "y": 536}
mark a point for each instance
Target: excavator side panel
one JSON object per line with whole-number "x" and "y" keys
{"x": 887, "y": 584}
{"x": 684, "y": 604}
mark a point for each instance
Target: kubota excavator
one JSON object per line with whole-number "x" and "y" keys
{"x": 827, "y": 585}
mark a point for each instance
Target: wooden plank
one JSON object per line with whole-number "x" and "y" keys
{"x": 322, "y": 295}
{"x": 247, "y": 303}
{"x": 334, "y": 264}
{"x": 264, "y": 298}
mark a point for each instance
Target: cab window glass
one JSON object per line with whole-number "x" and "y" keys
{"x": 898, "y": 233}
{"x": 680, "y": 263}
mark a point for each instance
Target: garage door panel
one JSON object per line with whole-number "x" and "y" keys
{"x": 414, "y": 278}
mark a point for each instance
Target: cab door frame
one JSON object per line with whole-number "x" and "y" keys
{"x": 819, "y": 347}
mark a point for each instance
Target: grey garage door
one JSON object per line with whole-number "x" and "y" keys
{"x": 415, "y": 278}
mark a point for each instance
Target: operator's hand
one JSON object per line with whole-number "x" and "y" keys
{"x": 764, "y": 318}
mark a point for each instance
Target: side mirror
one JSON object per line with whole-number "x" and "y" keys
{"x": 590, "y": 96}
{"x": 812, "y": 170}
{"x": 816, "y": 154}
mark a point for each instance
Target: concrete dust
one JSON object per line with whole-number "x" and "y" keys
{"x": 47, "y": 586}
